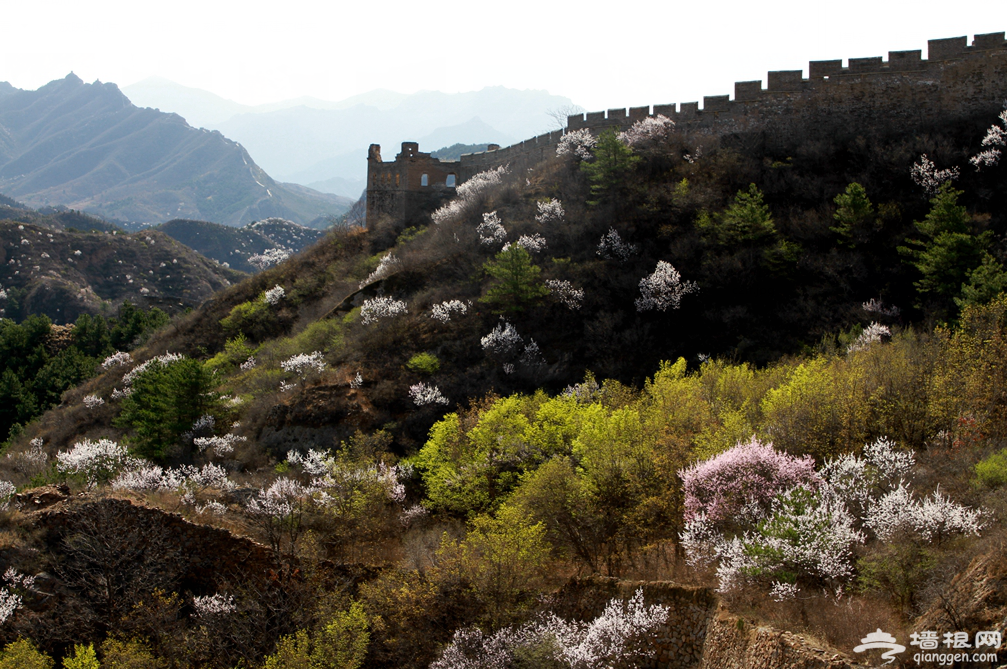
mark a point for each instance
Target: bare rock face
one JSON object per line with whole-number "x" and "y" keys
{"x": 975, "y": 600}
{"x": 37, "y": 499}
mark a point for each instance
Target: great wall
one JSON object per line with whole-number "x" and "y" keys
{"x": 956, "y": 80}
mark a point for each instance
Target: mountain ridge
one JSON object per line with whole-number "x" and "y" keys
{"x": 88, "y": 147}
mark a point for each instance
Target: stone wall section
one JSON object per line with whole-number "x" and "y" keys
{"x": 957, "y": 80}
{"x": 699, "y": 634}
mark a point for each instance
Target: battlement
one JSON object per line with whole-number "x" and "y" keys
{"x": 822, "y": 74}
{"x": 954, "y": 81}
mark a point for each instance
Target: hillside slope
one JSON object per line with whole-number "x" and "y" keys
{"x": 87, "y": 147}
{"x": 65, "y": 273}
{"x": 234, "y": 246}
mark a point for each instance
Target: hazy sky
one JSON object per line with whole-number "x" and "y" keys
{"x": 601, "y": 54}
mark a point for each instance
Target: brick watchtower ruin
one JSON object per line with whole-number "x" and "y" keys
{"x": 409, "y": 187}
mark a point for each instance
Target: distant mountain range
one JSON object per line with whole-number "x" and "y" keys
{"x": 87, "y": 147}
{"x": 324, "y": 144}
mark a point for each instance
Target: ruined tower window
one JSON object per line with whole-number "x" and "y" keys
{"x": 424, "y": 180}
{"x": 396, "y": 179}
{"x": 450, "y": 181}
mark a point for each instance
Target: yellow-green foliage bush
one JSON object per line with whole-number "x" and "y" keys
{"x": 129, "y": 654}
{"x": 339, "y": 644}
{"x": 256, "y": 319}
{"x": 992, "y": 471}
{"x": 22, "y": 654}
{"x": 236, "y": 351}
{"x": 500, "y": 557}
{"x": 424, "y": 363}
{"x": 83, "y": 657}
{"x": 897, "y": 383}
{"x": 969, "y": 382}
{"x": 821, "y": 409}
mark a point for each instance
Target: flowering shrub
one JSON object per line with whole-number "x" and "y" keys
{"x": 811, "y": 527}
{"x": 219, "y": 446}
{"x": 116, "y": 359}
{"x": 878, "y": 307}
{"x": 742, "y": 482}
{"x": 532, "y": 356}
{"x": 248, "y": 364}
{"x": 274, "y": 295}
{"x": 532, "y": 243}
{"x": 442, "y": 312}
{"x": 268, "y": 258}
{"x": 413, "y": 514}
{"x": 421, "y": 394}
{"x": 7, "y": 490}
{"x": 933, "y": 519}
{"x": 451, "y": 211}
{"x": 29, "y": 462}
{"x": 620, "y": 636}
{"x": 550, "y": 211}
{"x": 157, "y": 361}
{"x": 385, "y": 267}
{"x": 204, "y": 423}
{"x": 313, "y": 462}
{"x": 213, "y": 605}
{"x": 851, "y": 479}
{"x": 502, "y": 340}
{"x": 482, "y": 182}
{"x": 381, "y": 307}
{"x": 92, "y": 401}
{"x": 572, "y": 298}
{"x": 491, "y": 230}
{"x": 808, "y": 533}
{"x": 280, "y": 500}
{"x": 664, "y": 288}
{"x": 95, "y": 461}
{"x": 469, "y": 193}
{"x": 578, "y": 144}
{"x": 995, "y": 138}
{"x": 213, "y": 507}
{"x": 611, "y": 247}
{"x": 926, "y": 175}
{"x": 10, "y": 600}
{"x": 872, "y": 334}
{"x": 357, "y": 381}
{"x": 187, "y": 478}
{"x": 645, "y": 131}
{"x": 304, "y": 363}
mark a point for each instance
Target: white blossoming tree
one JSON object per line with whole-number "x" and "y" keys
{"x": 577, "y": 144}
{"x": 304, "y": 364}
{"x": 995, "y": 139}
{"x": 376, "y": 308}
{"x": 663, "y": 289}
{"x": 619, "y": 637}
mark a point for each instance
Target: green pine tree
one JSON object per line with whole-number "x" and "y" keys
{"x": 612, "y": 160}
{"x": 948, "y": 250}
{"x": 517, "y": 283}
